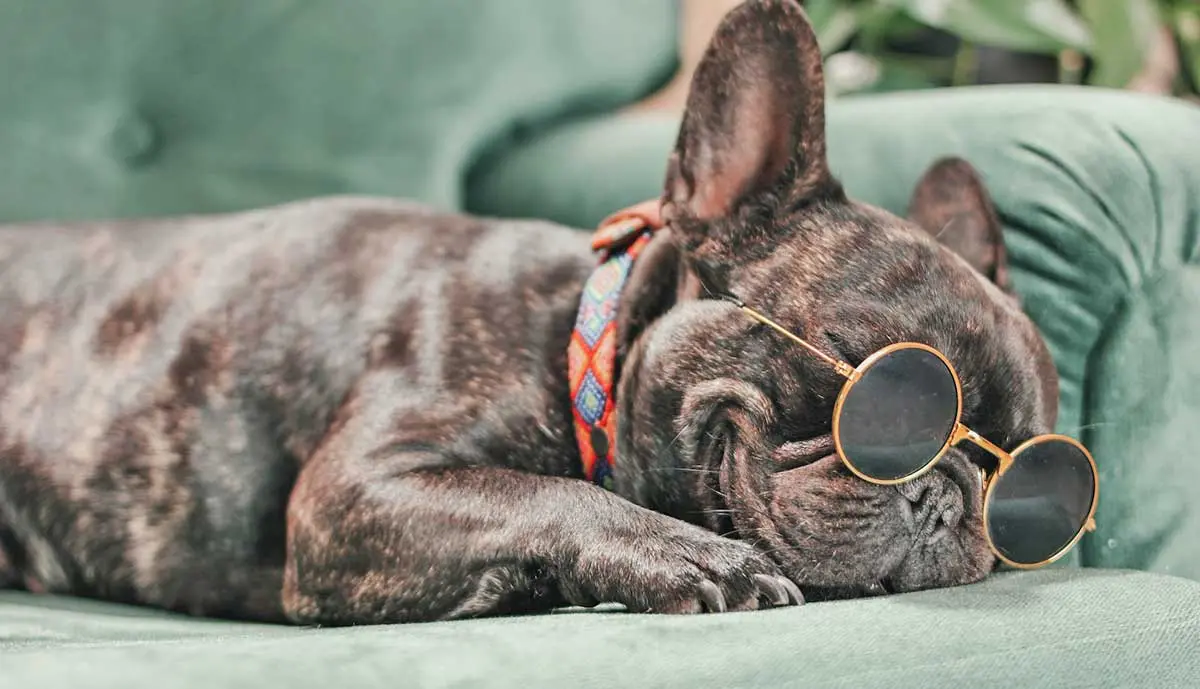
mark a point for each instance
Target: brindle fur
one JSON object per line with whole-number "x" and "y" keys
{"x": 355, "y": 410}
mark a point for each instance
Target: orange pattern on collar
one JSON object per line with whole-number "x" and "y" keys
{"x": 592, "y": 353}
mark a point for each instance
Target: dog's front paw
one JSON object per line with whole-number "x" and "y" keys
{"x": 679, "y": 569}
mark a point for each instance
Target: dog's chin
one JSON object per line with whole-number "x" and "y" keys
{"x": 839, "y": 536}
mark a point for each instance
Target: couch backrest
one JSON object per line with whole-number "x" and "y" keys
{"x": 142, "y": 107}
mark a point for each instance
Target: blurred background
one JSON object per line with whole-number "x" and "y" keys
{"x": 891, "y": 45}
{"x": 1145, "y": 45}
{"x": 563, "y": 109}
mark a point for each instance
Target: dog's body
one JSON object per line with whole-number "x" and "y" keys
{"x": 356, "y": 410}
{"x": 164, "y": 383}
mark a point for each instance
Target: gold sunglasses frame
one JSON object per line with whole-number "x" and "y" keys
{"x": 959, "y": 433}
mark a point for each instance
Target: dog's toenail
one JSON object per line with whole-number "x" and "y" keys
{"x": 711, "y": 596}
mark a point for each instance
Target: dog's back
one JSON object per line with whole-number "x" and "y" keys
{"x": 162, "y": 382}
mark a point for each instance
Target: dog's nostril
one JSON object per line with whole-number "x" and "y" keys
{"x": 931, "y": 503}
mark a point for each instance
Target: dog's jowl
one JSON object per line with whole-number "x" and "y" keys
{"x": 356, "y": 410}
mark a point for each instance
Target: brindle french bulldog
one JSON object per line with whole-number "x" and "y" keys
{"x": 356, "y": 410}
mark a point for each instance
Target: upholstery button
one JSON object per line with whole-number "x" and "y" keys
{"x": 133, "y": 139}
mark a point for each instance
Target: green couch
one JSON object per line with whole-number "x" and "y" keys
{"x": 507, "y": 107}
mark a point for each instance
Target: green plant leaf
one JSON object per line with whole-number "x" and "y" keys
{"x": 851, "y": 73}
{"x": 1122, "y": 32}
{"x": 1036, "y": 26}
{"x": 819, "y": 11}
{"x": 900, "y": 74}
{"x": 834, "y": 22}
{"x": 876, "y": 21}
{"x": 1187, "y": 26}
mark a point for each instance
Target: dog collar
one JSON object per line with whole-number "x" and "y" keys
{"x": 592, "y": 354}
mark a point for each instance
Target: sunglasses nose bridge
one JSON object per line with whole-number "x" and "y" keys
{"x": 962, "y": 433}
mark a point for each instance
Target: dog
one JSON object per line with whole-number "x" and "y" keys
{"x": 355, "y": 410}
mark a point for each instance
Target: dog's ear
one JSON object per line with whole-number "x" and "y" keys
{"x": 951, "y": 203}
{"x": 752, "y": 140}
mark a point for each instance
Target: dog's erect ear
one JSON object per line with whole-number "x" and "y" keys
{"x": 951, "y": 204}
{"x": 753, "y": 135}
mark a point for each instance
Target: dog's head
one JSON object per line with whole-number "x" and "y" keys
{"x": 728, "y": 423}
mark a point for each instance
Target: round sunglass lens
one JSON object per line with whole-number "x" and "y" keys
{"x": 1042, "y": 502}
{"x": 898, "y": 415}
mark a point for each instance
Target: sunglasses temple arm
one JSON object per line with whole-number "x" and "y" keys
{"x": 844, "y": 369}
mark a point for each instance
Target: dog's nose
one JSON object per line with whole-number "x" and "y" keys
{"x": 932, "y": 502}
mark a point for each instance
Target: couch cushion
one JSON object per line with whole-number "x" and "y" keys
{"x": 1060, "y": 628}
{"x": 1099, "y": 193}
{"x": 142, "y": 107}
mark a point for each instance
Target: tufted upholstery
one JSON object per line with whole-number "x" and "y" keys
{"x": 143, "y": 107}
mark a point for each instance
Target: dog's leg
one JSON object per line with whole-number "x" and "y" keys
{"x": 407, "y": 538}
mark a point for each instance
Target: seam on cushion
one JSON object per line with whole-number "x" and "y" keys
{"x": 1155, "y": 198}
{"x": 1193, "y": 222}
{"x": 1191, "y": 237}
{"x": 1038, "y": 152}
{"x": 1090, "y": 417}
{"x": 1048, "y": 274}
{"x": 1087, "y": 381}
{"x": 1111, "y": 314}
{"x": 523, "y": 128}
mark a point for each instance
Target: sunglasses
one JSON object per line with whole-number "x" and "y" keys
{"x": 900, "y": 411}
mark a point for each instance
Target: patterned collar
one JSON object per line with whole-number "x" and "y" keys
{"x": 592, "y": 354}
